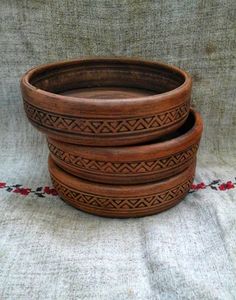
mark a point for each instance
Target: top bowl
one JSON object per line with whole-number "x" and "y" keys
{"x": 106, "y": 101}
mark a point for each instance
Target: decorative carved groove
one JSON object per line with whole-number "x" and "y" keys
{"x": 105, "y": 127}
{"x": 147, "y": 202}
{"x": 124, "y": 168}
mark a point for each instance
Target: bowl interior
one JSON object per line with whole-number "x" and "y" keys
{"x": 107, "y": 79}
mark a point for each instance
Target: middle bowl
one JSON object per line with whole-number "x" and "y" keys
{"x": 132, "y": 164}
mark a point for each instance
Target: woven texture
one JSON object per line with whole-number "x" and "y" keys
{"x": 49, "y": 250}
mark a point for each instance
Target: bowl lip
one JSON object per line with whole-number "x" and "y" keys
{"x": 194, "y": 133}
{"x": 25, "y": 79}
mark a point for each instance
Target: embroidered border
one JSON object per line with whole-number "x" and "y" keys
{"x": 43, "y": 191}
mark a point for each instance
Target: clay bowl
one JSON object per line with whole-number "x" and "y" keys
{"x": 121, "y": 200}
{"x": 106, "y": 101}
{"x": 132, "y": 164}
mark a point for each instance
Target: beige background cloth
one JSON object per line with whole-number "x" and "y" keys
{"x": 48, "y": 250}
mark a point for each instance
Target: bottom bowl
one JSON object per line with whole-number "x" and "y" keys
{"x": 121, "y": 201}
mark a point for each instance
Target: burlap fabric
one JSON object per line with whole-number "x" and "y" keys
{"x": 49, "y": 250}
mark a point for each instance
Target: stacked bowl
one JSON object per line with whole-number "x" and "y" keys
{"x": 122, "y": 136}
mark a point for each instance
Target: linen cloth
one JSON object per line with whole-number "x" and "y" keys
{"x": 49, "y": 250}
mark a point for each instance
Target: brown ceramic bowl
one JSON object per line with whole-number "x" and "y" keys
{"x": 121, "y": 200}
{"x": 132, "y": 164}
{"x": 106, "y": 101}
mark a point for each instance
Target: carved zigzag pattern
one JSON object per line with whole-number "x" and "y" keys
{"x": 105, "y": 126}
{"x": 134, "y": 203}
{"x": 134, "y": 167}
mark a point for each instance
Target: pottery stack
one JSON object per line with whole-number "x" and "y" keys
{"x": 122, "y": 136}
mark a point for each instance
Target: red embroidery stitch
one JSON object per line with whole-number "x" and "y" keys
{"x": 226, "y": 186}
{"x": 198, "y": 186}
{"x": 50, "y": 191}
{"x": 22, "y": 191}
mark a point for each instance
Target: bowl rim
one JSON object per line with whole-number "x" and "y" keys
{"x": 25, "y": 80}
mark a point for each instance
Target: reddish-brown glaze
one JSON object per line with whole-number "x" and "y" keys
{"x": 123, "y": 200}
{"x": 106, "y": 101}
